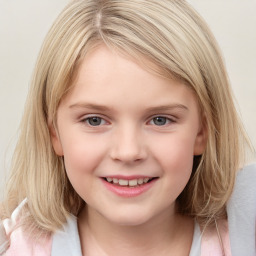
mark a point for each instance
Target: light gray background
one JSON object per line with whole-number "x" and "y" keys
{"x": 24, "y": 23}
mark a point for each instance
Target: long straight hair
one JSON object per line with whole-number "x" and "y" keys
{"x": 171, "y": 35}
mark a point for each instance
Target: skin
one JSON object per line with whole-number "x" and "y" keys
{"x": 128, "y": 140}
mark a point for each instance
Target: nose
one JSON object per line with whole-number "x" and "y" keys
{"x": 128, "y": 146}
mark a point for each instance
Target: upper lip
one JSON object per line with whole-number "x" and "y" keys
{"x": 132, "y": 177}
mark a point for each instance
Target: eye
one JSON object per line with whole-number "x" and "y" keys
{"x": 95, "y": 121}
{"x": 160, "y": 121}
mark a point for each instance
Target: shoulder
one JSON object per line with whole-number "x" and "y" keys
{"x": 211, "y": 240}
{"x": 245, "y": 181}
{"x": 243, "y": 198}
{"x": 235, "y": 236}
{"x": 215, "y": 240}
{"x": 241, "y": 210}
{"x": 14, "y": 241}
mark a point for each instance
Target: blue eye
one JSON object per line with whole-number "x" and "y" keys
{"x": 95, "y": 121}
{"x": 160, "y": 120}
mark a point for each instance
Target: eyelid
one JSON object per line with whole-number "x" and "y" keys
{"x": 85, "y": 118}
{"x": 172, "y": 119}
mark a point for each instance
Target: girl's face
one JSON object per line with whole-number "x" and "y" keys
{"x": 128, "y": 138}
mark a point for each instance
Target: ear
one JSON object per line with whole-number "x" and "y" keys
{"x": 55, "y": 139}
{"x": 201, "y": 139}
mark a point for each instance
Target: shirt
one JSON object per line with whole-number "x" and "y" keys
{"x": 237, "y": 233}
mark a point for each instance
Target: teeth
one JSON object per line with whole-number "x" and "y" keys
{"x": 140, "y": 181}
{"x": 123, "y": 182}
{"x": 131, "y": 183}
{"x": 146, "y": 180}
{"x": 109, "y": 179}
{"x": 115, "y": 180}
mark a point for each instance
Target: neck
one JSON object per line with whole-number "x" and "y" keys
{"x": 160, "y": 236}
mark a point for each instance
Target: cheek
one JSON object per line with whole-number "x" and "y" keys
{"x": 82, "y": 155}
{"x": 176, "y": 149}
{"x": 175, "y": 154}
{"x": 178, "y": 167}
{"x": 82, "y": 159}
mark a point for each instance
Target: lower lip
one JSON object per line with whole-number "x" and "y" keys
{"x": 128, "y": 191}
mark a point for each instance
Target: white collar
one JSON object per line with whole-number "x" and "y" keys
{"x": 66, "y": 242}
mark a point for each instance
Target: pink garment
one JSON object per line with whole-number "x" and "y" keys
{"x": 22, "y": 246}
{"x": 13, "y": 241}
{"x": 215, "y": 242}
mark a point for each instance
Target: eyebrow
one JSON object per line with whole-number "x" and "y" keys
{"x": 168, "y": 107}
{"x": 150, "y": 109}
{"x": 89, "y": 106}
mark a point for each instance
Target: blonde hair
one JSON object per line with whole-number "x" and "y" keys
{"x": 171, "y": 35}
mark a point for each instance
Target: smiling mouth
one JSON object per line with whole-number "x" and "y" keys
{"x": 129, "y": 183}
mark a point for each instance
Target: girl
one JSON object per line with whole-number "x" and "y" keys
{"x": 130, "y": 142}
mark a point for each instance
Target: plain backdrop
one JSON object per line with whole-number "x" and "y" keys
{"x": 24, "y": 24}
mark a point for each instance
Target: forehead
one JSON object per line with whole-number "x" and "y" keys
{"x": 105, "y": 76}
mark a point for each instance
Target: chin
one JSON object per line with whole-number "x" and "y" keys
{"x": 128, "y": 218}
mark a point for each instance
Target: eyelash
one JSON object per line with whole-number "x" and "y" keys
{"x": 167, "y": 120}
{"x": 90, "y": 118}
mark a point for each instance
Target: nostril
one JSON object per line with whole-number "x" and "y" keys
{"x": 128, "y": 157}
{"x": 127, "y": 146}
